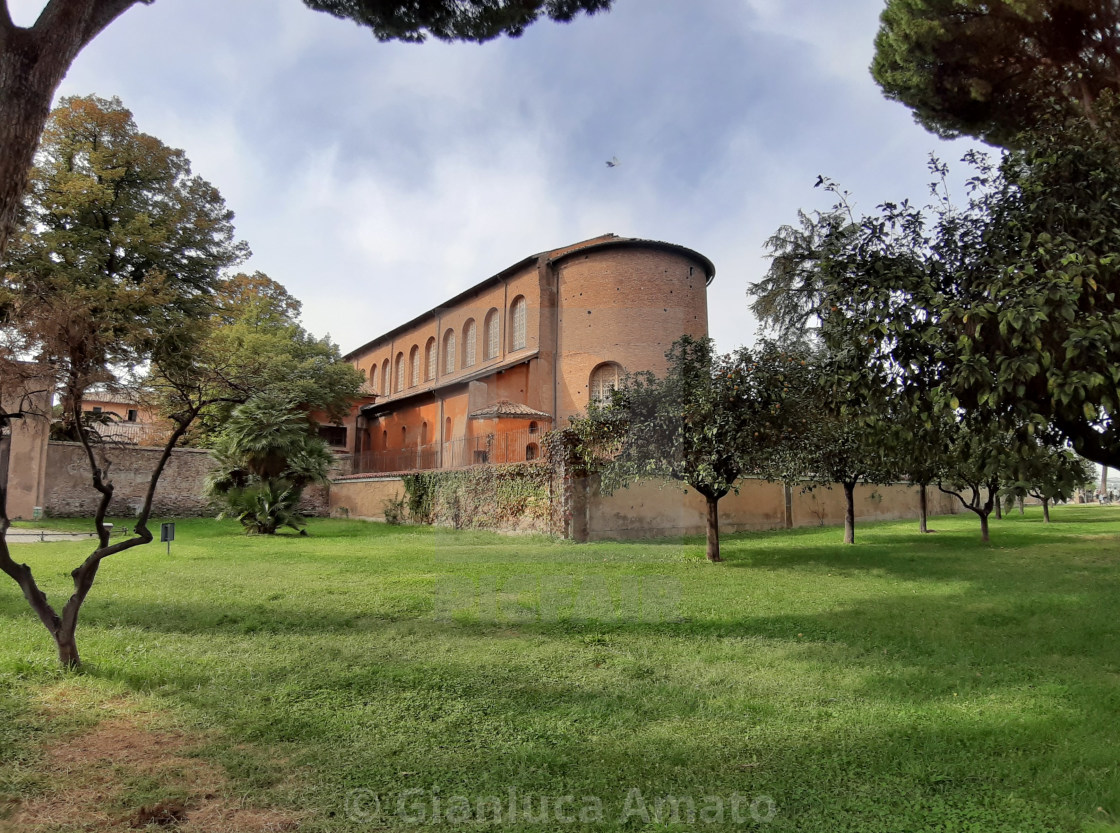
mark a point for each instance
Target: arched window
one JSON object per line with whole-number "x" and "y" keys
{"x": 532, "y": 451}
{"x": 604, "y": 378}
{"x": 424, "y": 432}
{"x": 431, "y": 356}
{"x": 470, "y": 338}
{"x": 517, "y": 315}
{"x": 447, "y": 430}
{"x": 373, "y": 378}
{"x": 384, "y": 440}
{"x": 385, "y": 389}
{"x": 399, "y": 386}
{"x": 449, "y": 352}
{"x": 414, "y": 364}
{"x": 404, "y": 436}
{"x": 492, "y": 326}
{"x": 534, "y": 428}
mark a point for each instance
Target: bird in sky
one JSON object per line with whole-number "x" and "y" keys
{"x": 612, "y": 162}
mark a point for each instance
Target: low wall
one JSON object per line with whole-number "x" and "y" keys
{"x": 363, "y": 497}
{"x": 653, "y": 509}
{"x": 181, "y": 492}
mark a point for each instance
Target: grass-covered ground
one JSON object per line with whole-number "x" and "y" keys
{"x": 909, "y": 683}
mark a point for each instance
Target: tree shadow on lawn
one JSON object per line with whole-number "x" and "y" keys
{"x": 951, "y": 720}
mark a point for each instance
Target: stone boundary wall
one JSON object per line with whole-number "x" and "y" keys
{"x": 181, "y": 492}
{"x": 655, "y": 509}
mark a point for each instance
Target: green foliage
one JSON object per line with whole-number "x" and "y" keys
{"x": 119, "y": 249}
{"x": 995, "y": 69}
{"x": 255, "y": 346}
{"x": 709, "y": 421}
{"x": 266, "y": 454}
{"x": 1005, "y": 307}
{"x": 453, "y": 20}
{"x": 421, "y": 490}
{"x": 264, "y": 506}
{"x": 395, "y": 509}
{"x": 482, "y": 497}
{"x": 1049, "y": 474}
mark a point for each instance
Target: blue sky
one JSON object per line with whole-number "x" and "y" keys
{"x": 376, "y": 180}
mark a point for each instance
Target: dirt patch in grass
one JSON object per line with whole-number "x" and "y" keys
{"x": 124, "y": 774}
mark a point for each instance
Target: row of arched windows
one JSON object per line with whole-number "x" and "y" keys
{"x": 429, "y": 363}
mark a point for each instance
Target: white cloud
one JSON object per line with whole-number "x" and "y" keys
{"x": 376, "y": 180}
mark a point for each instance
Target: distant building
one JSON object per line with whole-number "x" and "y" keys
{"x": 124, "y": 418}
{"x": 480, "y": 377}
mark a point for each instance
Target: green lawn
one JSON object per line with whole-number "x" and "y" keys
{"x": 909, "y": 683}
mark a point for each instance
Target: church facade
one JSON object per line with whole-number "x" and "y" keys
{"x": 481, "y": 377}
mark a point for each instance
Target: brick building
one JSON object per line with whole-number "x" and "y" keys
{"x": 125, "y": 418}
{"x": 480, "y": 377}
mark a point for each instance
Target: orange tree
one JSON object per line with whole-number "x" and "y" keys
{"x": 710, "y": 420}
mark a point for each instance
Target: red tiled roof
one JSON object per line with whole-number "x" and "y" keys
{"x": 505, "y": 408}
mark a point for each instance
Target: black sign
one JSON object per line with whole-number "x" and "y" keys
{"x": 166, "y": 532}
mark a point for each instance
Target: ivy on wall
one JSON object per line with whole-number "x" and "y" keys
{"x": 512, "y": 496}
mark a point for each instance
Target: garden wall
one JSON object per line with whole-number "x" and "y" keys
{"x": 364, "y": 496}
{"x": 653, "y": 509}
{"x": 181, "y": 491}
{"x": 510, "y": 498}
{"x": 525, "y": 498}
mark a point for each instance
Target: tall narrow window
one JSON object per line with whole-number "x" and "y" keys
{"x": 385, "y": 387}
{"x": 447, "y": 430}
{"x": 373, "y": 378}
{"x": 517, "y": 314}
{"x": 492, "y": 322}
{"x": 604, "y": 379}
{"x": 469, "y": 340}
{"x": 414, "y": 363}
{"x": 449, "y": 352}
{"x": 400, "y": 373}
{"x": 431, "y": 356}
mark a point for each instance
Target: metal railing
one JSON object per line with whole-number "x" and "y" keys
{"x": 504, "y": 447}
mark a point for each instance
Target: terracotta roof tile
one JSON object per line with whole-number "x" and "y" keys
{"x": 505, "y": 408}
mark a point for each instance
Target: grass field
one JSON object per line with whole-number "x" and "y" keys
{"x": 368, "y": 677}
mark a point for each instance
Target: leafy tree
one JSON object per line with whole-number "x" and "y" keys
{"x": 1048, "y": 474}
{"x": 1008, "y": 304}
{"x": 993, "y": 69}
{"x": 267, "y": 453}
{"x": 33, "y": 60}
{"x": 254, "y": 345}
{"x": 706, "y": 423}
{"x": 120, "y": 252}
{"x": 848, "y": 440}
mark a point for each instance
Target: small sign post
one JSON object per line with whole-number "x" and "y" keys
{"x": 167, "y": 533}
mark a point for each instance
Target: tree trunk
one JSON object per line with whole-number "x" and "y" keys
{"x": 1045, "y": 511}
{"x": 999, "y": 509}
{"x": 850, "y": 513}
{"x": 713, "y": 528}
{"x": 33, "y": 61}
{"x": 923, "y": 510}
{"x": 983, "y": 526}
{"x": 67, "y": 650}
{"x": 1022, "y": 508}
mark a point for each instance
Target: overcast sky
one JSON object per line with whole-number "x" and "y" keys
{"x": 376, "y": 180}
